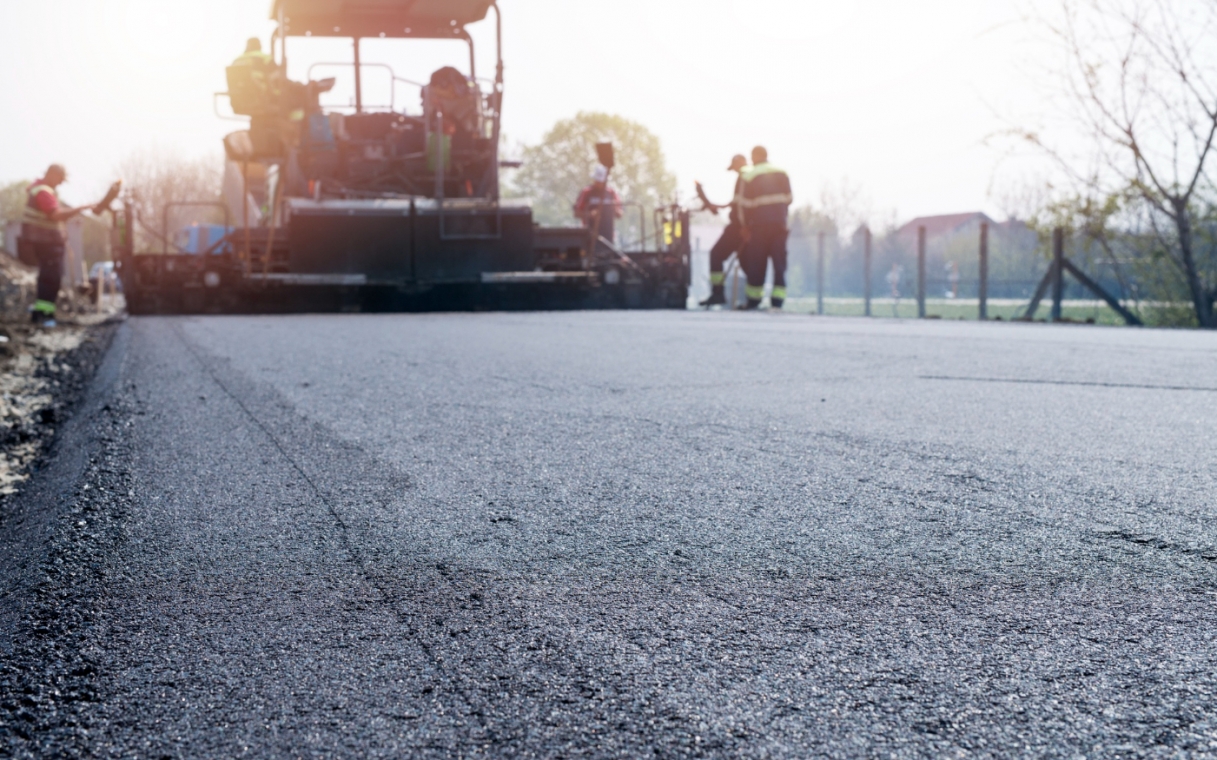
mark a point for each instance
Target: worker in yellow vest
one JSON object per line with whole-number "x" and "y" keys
{"x": 253, "y": 81}
{"x": 765, "y": 206}
{"x": 42, "y": 233}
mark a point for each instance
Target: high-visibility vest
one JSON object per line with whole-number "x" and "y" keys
{"x": 259, "y": 63}
{"x": 35, "y": 218}
{"x": 262, "y": 71}
{"x": 254, "y": 58}
{"x": 766, "y": 195}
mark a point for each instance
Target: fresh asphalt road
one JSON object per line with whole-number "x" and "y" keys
{"x": 668, "y": 534}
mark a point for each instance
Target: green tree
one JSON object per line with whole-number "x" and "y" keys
{"x": 1143, "y": 91}
{"x": 1118, "y": 233}
{"x": 12, "y": 201}
{"x": 554, "y": 171}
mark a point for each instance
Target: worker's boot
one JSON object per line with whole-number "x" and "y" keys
{"x": 752, "y": 305}
{"x": 42, "y": 312}
{"x": 718, "y": 297}
{"x": 777, "y": 297}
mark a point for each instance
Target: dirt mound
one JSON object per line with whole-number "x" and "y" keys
{"x": 17, "y": 283}
{"x": 41, "y": 372}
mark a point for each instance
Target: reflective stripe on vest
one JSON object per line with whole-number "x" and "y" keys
{"x": 32, "y": 216}
{"x": 778, "y": 199}
{"x": 766, "y": 194}
{"x": 753, "y": 172}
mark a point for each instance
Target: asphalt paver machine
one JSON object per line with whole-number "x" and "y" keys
{"x": 387, "y": 208}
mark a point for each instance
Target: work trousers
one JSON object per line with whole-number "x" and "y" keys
{"x": 767, "y": 243}
{"x": 50, "y": 274}
{"x": 731, "y": 241}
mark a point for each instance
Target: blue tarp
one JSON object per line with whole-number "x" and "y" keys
{"x": 202, "y": 238}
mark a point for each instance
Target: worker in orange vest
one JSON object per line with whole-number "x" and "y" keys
{"x": 599, "y": 200}
{"x": 42, "y": 234}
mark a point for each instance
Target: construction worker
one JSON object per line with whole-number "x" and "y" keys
{"x": 253, "y": 56}
{"x": 764, "y": 206}
{"x": 43, "y": 234}
{"x": 598, "y": 196}
{"x": 731, "y": 241}
{"x": 253, "y": 80}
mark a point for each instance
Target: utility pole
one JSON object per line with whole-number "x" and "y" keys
{"x": 921, "y": 272}
{"x": 866, "y": 267}
{"x": 1058, "y": 272}
{"x": 984, "y": 270}
{"x": 820, "y": 278}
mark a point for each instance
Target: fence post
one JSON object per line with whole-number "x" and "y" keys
{"x": 984, "y": 270}
{"x": 921, "y": 272}
{"x": 820, "y": 278}
{"x": 866, "y": 266}
{"x": 1058, "y": 272}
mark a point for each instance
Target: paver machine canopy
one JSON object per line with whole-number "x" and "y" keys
{"x": 375, "y": 18}
{"x": 448, "y": 150}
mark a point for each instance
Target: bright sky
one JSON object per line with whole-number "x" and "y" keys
{"x": 896, "y": 96}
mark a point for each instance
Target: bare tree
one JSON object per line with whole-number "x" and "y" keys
{"x": 846, "y": 204}
{"x": 1141, "y": 77}
{"x": 159, "y": 178}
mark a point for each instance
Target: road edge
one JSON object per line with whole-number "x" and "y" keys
{"x": 68, "y": 521}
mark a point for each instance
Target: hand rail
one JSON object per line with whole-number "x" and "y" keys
{"x": 215, "y": 106}
{"x": 392, "y": 76}
{"x": 642, "y": 220}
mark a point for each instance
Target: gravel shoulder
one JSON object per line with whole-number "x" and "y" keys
{"x": 44, "y": 379}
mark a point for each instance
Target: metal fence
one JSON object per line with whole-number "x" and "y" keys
{"x": 857, "y": 276}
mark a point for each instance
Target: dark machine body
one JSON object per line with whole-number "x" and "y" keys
{"x": 386, "y": 209}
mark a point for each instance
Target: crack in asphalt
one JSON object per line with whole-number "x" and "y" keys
{"x": 1208, "y": 553}
{"x": 392, "y": 602}
{"x": 1081, "y": 383}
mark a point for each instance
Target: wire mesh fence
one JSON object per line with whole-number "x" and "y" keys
{"x": 909, "y": 278}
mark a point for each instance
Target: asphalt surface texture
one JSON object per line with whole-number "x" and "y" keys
{"x": 624, "y": 534}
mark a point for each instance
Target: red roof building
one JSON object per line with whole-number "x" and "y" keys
{"x": 946, "y": 224}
